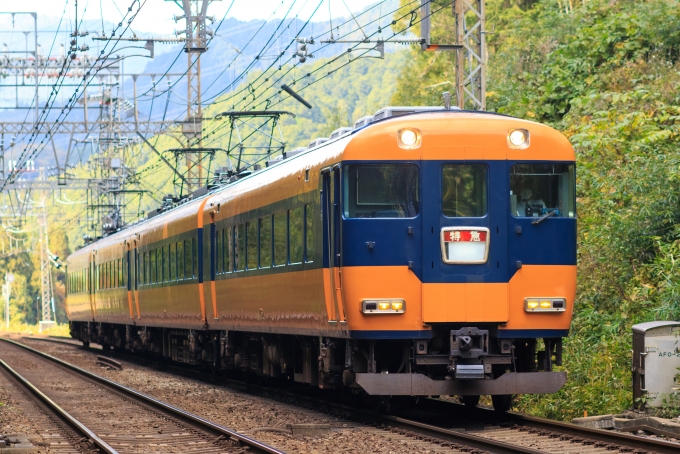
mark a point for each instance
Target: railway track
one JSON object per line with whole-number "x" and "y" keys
{"x": 461, "y": 428}
{"x": 115, "y": 418}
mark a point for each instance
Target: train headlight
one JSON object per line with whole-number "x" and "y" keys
{"x": 518, "y": 139}
{"x": 409, "y": 138}
{"x": 383, "y": 306}
{"x": 545, "y": 304}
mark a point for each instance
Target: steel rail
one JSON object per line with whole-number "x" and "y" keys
{"x": 78, "y": 426}
{"x": 451, "y": 436}
{"x": 605, "y": 436}
{"x": 621, "y": 439}
{"x": 109, "y": 362}
{"x": 178, "y": 413}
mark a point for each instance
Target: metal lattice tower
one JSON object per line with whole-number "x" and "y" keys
{"x": 470, "y": 48}
{"x": 45, "y": 271}
{"x": 196, "y": 42}
{"x": 471, "y": 59}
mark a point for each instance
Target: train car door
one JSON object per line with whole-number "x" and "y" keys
{"x": 464, "y": 239}
{"x": 129, "y": 273}
{"x": 332, "y": 217}
{"x": 92, "y": 275}
{"x": 135, "y": 277}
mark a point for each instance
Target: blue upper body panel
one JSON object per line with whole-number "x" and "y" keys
{"x": 416, "y": 241}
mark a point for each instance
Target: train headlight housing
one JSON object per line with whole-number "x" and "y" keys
{"x": 383, "y": 306}
{"x": 409, "y": 138}
{"x": 545, "y": 304}
{"x": 518, "y": 139}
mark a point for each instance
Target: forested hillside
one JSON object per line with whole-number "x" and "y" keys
{"x": 606, "y": 74}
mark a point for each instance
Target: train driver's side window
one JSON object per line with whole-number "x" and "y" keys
{"x": 537, "y": 190}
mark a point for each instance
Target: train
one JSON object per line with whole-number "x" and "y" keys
{"x": 426, "y": 251}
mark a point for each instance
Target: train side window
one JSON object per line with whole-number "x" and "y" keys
{"x": 159, "y": 266}
{"x": 166, "y": 263}
{"x": 251, "y": 244}
{"x": 153, "y": 266}
{"x": 280, "y": 238}
{"x": 194, "y": 257}
{"x": 187, "y": 259}
{"x": 239, "y": 247}
{"x": 173, "y": 262}
{"x": 225, "y": 250}
{"x": 145, "y": 272}
{"x": 180, "y": 260}
{"x": 219, "y": 257}
{"x": 464, "y": 190}
{"x": 266, "y": 242}
{"x": 381, "y": 191}
{"x": 309, "y": 232}
{"x": 229, "y": 250}
{"x": 295, "y": 230}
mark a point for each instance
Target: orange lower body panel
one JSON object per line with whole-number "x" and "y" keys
{"x": 533, "y": 281}
{"x": 478, "y": 302}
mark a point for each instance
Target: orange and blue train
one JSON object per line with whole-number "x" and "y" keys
{"x": 427, "y": 251}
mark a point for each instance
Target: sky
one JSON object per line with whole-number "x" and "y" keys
{"x": 155, "y": 16}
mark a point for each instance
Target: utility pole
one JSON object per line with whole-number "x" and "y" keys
{"x": 6, "y": 292}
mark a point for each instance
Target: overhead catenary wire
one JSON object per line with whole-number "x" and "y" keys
{"x": 411, "y": 24}
{"x": 292, "y": 67}
{"x": 21, "y": 161}
{"x": 292, "y": 58}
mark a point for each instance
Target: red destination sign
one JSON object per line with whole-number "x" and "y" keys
{"x": 451, "y": 236}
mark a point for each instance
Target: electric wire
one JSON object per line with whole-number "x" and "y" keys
{"x": 12, "y": 176}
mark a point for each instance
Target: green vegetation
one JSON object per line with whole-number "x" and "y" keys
{"x": 606, "y": 74}
{"x": 24, "y": 263}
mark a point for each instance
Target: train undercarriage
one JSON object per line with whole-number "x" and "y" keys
{"x": 457, "y": 360}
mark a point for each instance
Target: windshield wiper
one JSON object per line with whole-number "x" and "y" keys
{"x": 544, "y": 217}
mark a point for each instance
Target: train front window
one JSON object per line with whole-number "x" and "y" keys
{"x": 381, "y": 191}
{"x": 464, "y": 188}
{"x": 540, "y": 189}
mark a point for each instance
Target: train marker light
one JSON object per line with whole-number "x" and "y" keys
{"x": 518, "y": 139}
{"x": 382, "y": 306}
{"x": 545, "y": 304}
{"x": 409, "y": 138}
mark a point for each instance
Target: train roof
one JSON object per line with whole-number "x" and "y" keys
{"x": 374, "y": 132}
